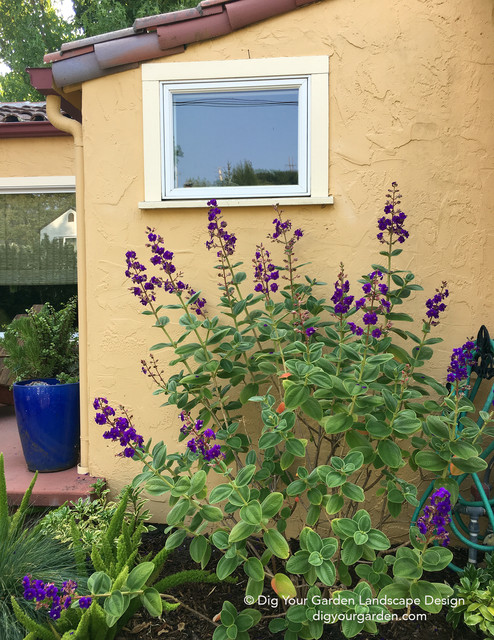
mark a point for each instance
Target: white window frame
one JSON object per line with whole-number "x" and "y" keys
{"x": 159, "y": 80}
{"x": 167, "y": 136}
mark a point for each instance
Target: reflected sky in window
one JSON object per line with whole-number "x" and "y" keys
{"x": 230, "y": 138}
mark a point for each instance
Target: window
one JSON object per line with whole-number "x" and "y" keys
{"x": 247, "y": 131}
{"x": 37, "y": 263}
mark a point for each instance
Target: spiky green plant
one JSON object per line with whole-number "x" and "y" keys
{"x": 25, "y": 550}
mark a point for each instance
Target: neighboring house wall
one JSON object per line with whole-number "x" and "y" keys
{"x": 411, "y": 100}
{"x": 22, "y": 157}
{"x": 62, "y": 228}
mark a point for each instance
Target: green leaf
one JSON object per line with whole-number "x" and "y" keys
{"x": 211, "y": 514}
{"x": 270, "y": 439}
{"x": 334, "y": 504}
{"x": 197, "y": 482}
{"x": 254, "y": 569}
{"x": 436, "y": 559}
{"x": 151, "y": 599}
{"x": 296, "y": 447}
{"x": 198, "y": 548}
{"x": 295, "y": 396}
{"x": 463, "y": 450}
{"x": 248, "y": 391}
{"x": 313, "y": 409}
{"x": 139, "y": 575}
{"x": 298, "y": 563}
{"x": 351, "y": 552}
{"x": 177, "y": 513}
{"x": 472, "y": 465}
{"x": 337, "y": 423}
{"x": 226, "y": 566}
{"x": 241, "y": 531}
{"x": 219, "y": 493}
{"x": 276, "y": 543}
{"x": 115, "y": 604}
{"x": 390, "y": 453}
{"x": 407, "y": 568}
{"x": 272, "y": 504}
{"x": 430, "y": 461}
{"x": 251, "y": 513}
{"x": 175, "y": 539}
{"x": 98, "y": 583}
{"x": 378, "y": 540}
{"x": 326, "y": 573}
{"x": 426, "y": 592}
{"x": 353, "y": 492}
{"x": 438, "y": 427}
{"x": 245, "y": 475}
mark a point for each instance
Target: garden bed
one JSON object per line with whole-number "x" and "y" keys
{"x": 207, "y": 600}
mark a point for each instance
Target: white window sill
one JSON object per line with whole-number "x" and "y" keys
{"x": 240, "y": 202}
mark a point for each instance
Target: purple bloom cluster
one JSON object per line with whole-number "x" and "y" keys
{"x": 49, "y": 597}
{"x": 372, "y": 303}
{"x": 265, "y": 272}
{"x": 461, "y": 359}
{"x": 121, "y": 429}
{"x": 201, "y": 442}
{"x": 392, "y": 222}
{"x": 144, "y": 288}
{"x": 281, "y": 228}
{"x": 435, "y": 518}
{"x": 219, "y": 238}
{"x": 341, "y": 301}
{"x": 436, "y": 305}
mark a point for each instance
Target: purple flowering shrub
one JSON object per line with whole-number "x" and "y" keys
{"x": 345, "y": 412}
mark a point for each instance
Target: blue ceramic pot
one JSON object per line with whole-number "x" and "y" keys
{"x": 48, "y": 422}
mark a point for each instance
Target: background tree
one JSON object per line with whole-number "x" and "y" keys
{"x": 31, "y": 28}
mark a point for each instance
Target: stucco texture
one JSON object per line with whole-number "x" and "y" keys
{"x": 411, "y": 100}
{"x": 26, "y": 157}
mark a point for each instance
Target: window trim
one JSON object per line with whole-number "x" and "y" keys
{"x": 37, "y": 184}
{"x": 315, "y": 68}
{"x": 168, "y": 90}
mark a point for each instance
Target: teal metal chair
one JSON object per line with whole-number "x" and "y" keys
{"x": 474, "y": 509}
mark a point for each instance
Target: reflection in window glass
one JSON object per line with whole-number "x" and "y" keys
{"x": 236, "y": 138}
{"x": 33, "y": 232}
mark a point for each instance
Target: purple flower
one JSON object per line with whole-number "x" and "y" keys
{"x": 310, "y": 331}
{"x": 200, "y": 443}
{"x": 436, "y": 305}
{"x": 121, "y": 429}
{"x": 461, "y": 359}
{"x": 264, "y": 271}
{"x": 435, "y": 517}
{"x": 85, "y": 602}
{"x": 390, "y": 226}
{"x": 219, "y": 238}
{"x": 370, "y": 318}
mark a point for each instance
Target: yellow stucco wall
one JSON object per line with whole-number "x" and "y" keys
{"x": 411, "y": 100}
{"x": 20, "y": 157}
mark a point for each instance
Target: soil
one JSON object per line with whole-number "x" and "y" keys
{"x": 207, "y": 600}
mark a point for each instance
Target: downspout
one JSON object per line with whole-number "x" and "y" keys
{"x": 74, "y": 128}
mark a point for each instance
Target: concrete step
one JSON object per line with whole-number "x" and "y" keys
{"x": 51, "y": 489}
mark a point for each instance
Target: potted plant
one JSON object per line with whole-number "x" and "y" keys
{"x": 42, "y": 354}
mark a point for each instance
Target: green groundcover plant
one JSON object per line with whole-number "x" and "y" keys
{"x": 346, "y": 417}
{"x": 24, "y": 548}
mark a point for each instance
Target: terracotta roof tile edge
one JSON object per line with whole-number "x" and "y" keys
{"x": 174, "y": 29}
